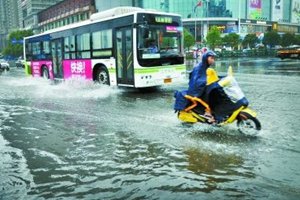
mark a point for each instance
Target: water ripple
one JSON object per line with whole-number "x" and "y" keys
{"x": 17, "y": 179}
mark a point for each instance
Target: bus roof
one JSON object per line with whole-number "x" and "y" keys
{"x": 104, "y": 16}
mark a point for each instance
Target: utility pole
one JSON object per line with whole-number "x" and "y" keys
{"x": 196, "y": 28}
{"x": 239, "y": 20}
{"x": 239, "y": 23}
{"x": 207, "y": 22}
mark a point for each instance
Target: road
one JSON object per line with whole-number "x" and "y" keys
{"x": 77, "y": 140}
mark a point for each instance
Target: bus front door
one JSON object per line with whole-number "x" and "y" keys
{"x": 124, "y": 55}
{"x": 56, "y": 51}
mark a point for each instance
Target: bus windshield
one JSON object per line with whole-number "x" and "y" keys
{"x": 159, "y": 42}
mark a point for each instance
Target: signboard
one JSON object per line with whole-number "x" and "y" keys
{"x": 277, "y": 10}
{"x": 166, "y": 20}
{"x": 295, "y": 11}
{"x": 78, "y": 69}
{"x": 174, "y": 29}
{"x": 231, "y": 28}
{"x": 254, "y": 9}
{"x": 15, "y": 41}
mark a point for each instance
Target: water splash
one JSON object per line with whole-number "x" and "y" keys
{"x": 42, "y": 88}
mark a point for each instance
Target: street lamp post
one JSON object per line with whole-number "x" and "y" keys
{"x": 207, "y": 22}
{"x": 239, "y": 20}
{"x": 239, "y": 23}
{"x": 196, "y": 28}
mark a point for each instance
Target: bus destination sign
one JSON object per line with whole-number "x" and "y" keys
{"x": 166, "y": 20}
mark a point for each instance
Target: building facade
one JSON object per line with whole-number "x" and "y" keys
{"x": 239, "y": 16}
{"x": 28, "y": 10}
{"x": 105, "y": 5}
{"x": 65, "y": 12}
{"x": 72, "y": 11}
{"x": 230, "y": 16}
{"x": 8, "y": 20}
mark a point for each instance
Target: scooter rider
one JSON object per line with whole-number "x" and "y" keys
{"x": 198, "y": 77}
{"x": 197, "y": 85}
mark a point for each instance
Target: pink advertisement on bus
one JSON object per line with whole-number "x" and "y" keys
{"x": 78, "y": 69}
{"x": 36, "y": 68}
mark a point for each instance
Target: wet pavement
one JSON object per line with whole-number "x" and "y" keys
{"x": 77, "y": 140}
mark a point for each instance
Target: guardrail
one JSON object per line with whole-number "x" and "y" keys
{"x": 242, "y": 53}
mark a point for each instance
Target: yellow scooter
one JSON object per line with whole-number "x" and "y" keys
{"x": 247, "y": 122}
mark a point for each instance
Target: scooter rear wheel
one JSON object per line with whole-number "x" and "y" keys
{"x": 249, "y": 125}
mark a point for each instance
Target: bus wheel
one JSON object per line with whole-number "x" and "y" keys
{"x": 102, "y": 76}
{"x": 45, "y": 73}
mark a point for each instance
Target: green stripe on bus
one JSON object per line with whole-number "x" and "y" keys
{"x": 181, "y": 67}
{"x": 147, "y": 70}
{"x": 156, "y": 69}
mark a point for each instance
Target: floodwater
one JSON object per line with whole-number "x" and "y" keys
{"x": 77, "y": 140}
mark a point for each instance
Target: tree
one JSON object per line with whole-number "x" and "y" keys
{"x": 297, "y": 39}
{"x": 232, "y": 40}
{"x": 288, "y": 39}
{"x": 14, "y": 47}
{"x": 250, "y": 40}
{"x": 167, "y": 42}
{"x": 189, "y": 40}
{"x": 271, "y": 38}
{"x": 213, "y": 37}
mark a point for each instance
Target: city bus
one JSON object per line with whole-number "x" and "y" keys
{"x": 114, "y": 47}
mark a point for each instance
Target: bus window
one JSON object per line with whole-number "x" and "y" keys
{"x": 164, "y": 39}
{"x": 46, "y": 49}
{"x": 28, "y": 50}
{"x": 36, "y": 51}
{"x": 69, "y": 47}
{"x": 66, "y": 48}
{"x": 102, "y": 42}
{"x": 83, "y": 46}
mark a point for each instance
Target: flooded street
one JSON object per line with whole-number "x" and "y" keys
{"x": 77, "y": 140}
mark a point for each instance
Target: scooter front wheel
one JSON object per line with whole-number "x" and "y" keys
{"x": 249, "y": 125}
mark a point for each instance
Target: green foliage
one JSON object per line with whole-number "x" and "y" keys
{"x": 288, "y": 39}
{"x": 16, "y": 49}
{"x": 213, "y": 37}
{"x": 167, "y": 42}
{"x": 271, "y": 38}
{"x": 250, "y": 40}
{"x": 232, "y": 40}
{"x": 297, "y": 39}
{"x": 189, "y": 40}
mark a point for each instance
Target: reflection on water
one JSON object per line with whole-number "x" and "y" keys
{"x": 217, "y": 168}
{"x": 208, "y": 163}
